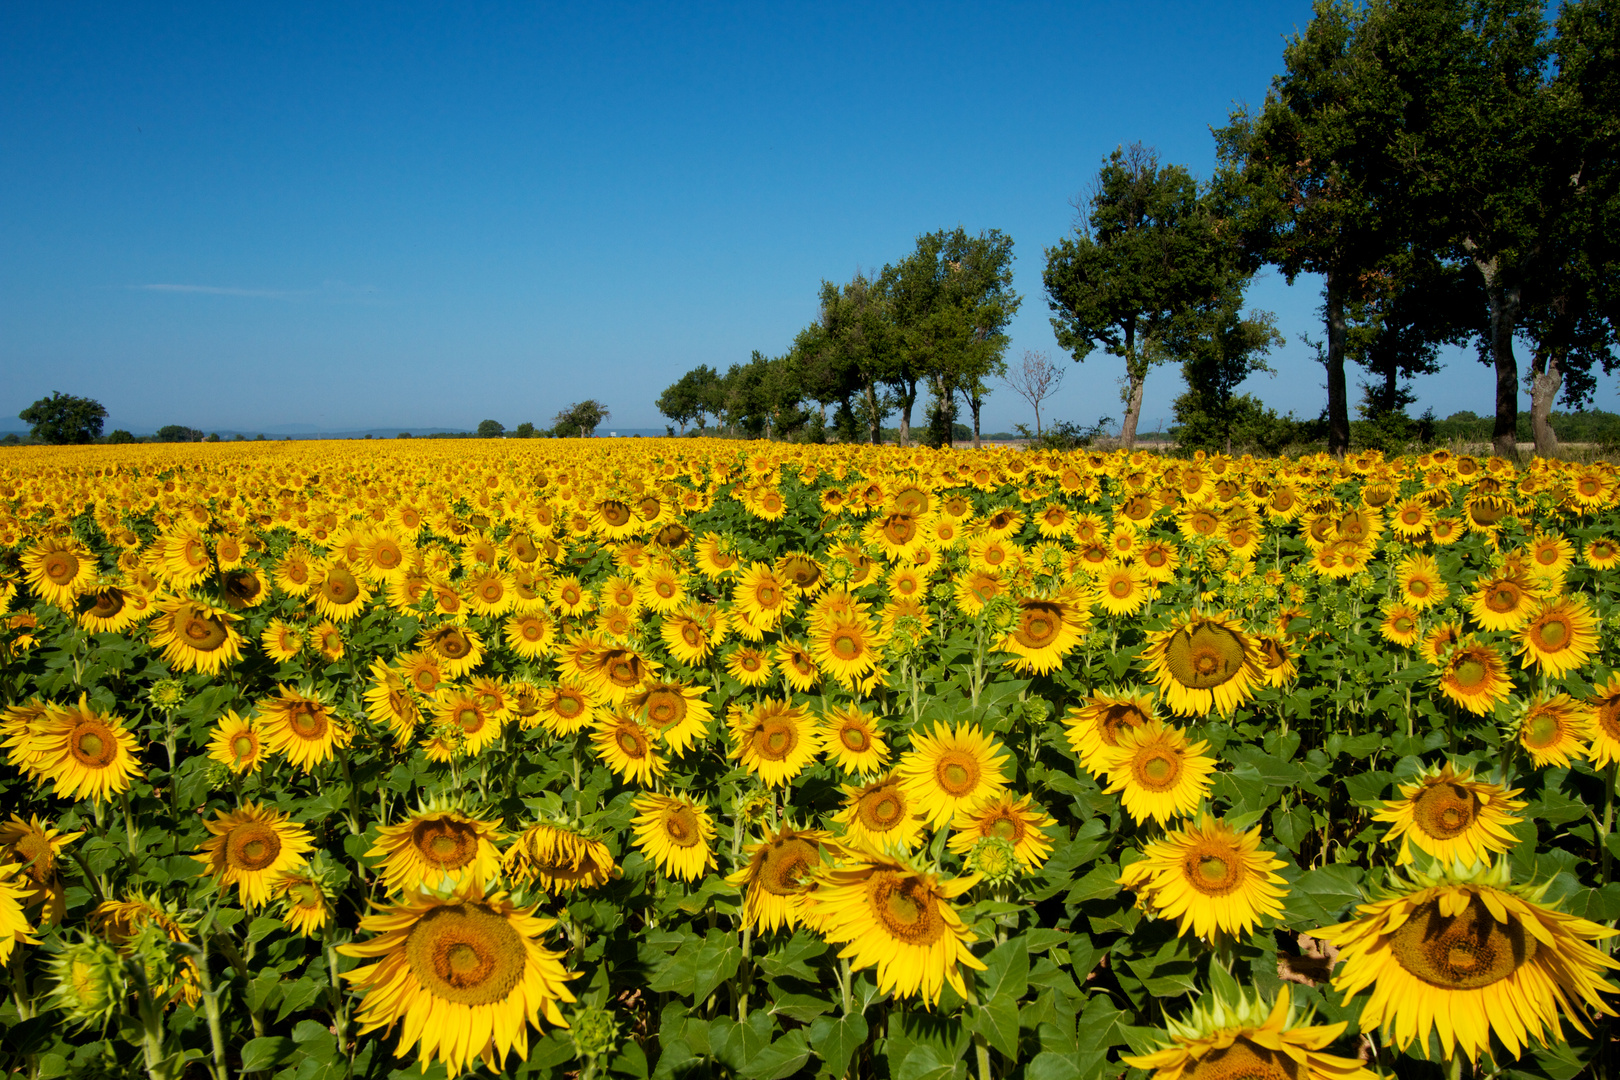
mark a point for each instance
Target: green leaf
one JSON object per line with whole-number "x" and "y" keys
{"x": 1324, "y": 894}
{"x": 296, "y": 995}
{"x": 925, "y": 1061}
{"x": 1006, "y": 971}
{"x": 267, "y": 1050}
{"x": 1101, "y": 883}
{"x": 836, "y": 1040}
{"x": 791, "y": 959}
{"x": 780, "y": 1059}
{"x": 1291, "y": 826}
{"x": 1053, "y": 1065}
{"x": 997, "y": 1020}
{"x": 800, "y": 1007}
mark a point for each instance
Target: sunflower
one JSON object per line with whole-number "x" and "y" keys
{"x": 715, "y": 556}
{"x": 629, "y": 748}
{"x": 1420, "y": 582}
{"x": 1047, "y": 629}
{"x": 759, "y": 600}
{"x": 559, "y": 859}
{"x": 1122, "y": 588}
{"x": 327, "y": 639}
{"x": 1605, "y": 705}
{"x": 1159, "y": 560}
{"x": 474, "y": 725}
{"x": 340, "y": 593}
{"x": 458, "y": 648}
{"x": 1502, "y": 602}
{"x": 676, "y": 711}
{"x": 1248, "y": 1039}
{"x": 120, "y": 922}
{"x": 950, "y": 770}
{"x": 300, "y": 726}
{"x": 438, "y": 847}
{"x": 976, "y": 588}
{"x": 1094, "y": 727}
{"x": 797, "y": 665}
{"x": 281, "y": 641}
{"x": 661, "y": 589}
{"x": 297, "y": 571}
{"x": 1464, "y": 953}
{"x": 692, "y": 632}
{"x": 250, "y": 846}
{"x": 85, "y": 754}
{"x": 1562, "y": 634}
{"x": 181, "y": 558}
{"x": 1400, "y": 624}
{"x": 1601, "y": 553}
{"x": 675, "y": 833}
{"x": 1554, "y": 728}
{"x": 1018, "y": 821}
{"x": 1474, "y": 676}
{"x": 749, "y": 666}
{"x": 1211, "y": 878}
{"x": 776, "y": 875}
{"x": 423, "y": 670}
{"x": 774, "y": 739}
{"x": 617, "y": 673}
{"x": 847, "y": 648}
{"x": 1158, "y": 773}
{"x": 881, "y": 816}
{"x": 566, "y": 708}
{"x": 467, "y": 975}
{"x": 235, "y": 744}
{"x": 109, "y": 609}
{"x": 1203, "y": 663}
{"x": 899, "y": 919}
{"x": 851, "y": 740}
{"x": 195, "y": 636}
{"x": 59, "y": 569}
{"x": 1452, "y": 816}
{"x": 306, "y": 907}
{"x": 35, "y": 847}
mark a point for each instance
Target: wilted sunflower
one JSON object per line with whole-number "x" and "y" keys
{"x": 436, "y": 847}
{"x": 300, "y": 726}
{"x": 629, "y": 748}
{"x": 35, "y": 847}
{"x": 1554, "y": 728}
{"x": 85, "y": 754}
{"x": 890, "y": 915}
{"x": 119, "y": 923}
{"x": 1464, "y": 953}
{"x": 1158, "y": 773}
{"x": 250, "y": 846}
{"x": 195, "y": 636}
{"x": 773, "y": 739}
{"x": 559, "y": 858}
{"x": 235, "y": 743}
{"x": 881, "y": 816}
{"x": 1209, "y": 877}
{"x": 675, "y": 833}
{"x": 1473, "y": 675}
{"x": 952, "y": 769}
{"x": 1045, "y": 631}
{"x": 1094, "y": 727}
{"x": 850, "y": 738}
{"x": 1228, "y": 1040}
{"x": 1203, "y": 663}
{"x": 676, "y": 711}
{"x": 467, "y": 975}
{"x": 1017, "y": 820}
{"x": 58, "y": 569}
{"x": 1561, "y": 635}
{"x": 777, "y": 872}
{"x": 1452, "y": 816}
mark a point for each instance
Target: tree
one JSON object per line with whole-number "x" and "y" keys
{"x": 691, "y": 398}
{"x": 63, "y": 419}
{"x": 491, "y": 429}
{"x": 178, "y": 433}
{"x": 524, "y": 430}
{"x": 1035, "y": 379}
{"x": 119, "y": 436}
{"x": 851, "y": 352}
{"x": 1146, "y": 251}
{"x": 580, "y": 419}
{"x": 1219, "y": 349}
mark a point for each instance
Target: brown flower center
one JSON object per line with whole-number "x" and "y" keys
{"x": 466, "y": 953}
{"x": 1462, "y": 952}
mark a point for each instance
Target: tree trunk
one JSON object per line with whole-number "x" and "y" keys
{"x": 975, "y": 403}
{"x": 1338, "y": 402}
{"x": 1502, "y": 301}
{"x": 1135, "y": 376}
{"x": 1546, "y": 379}
{"x": 908, "y": 397}
{"x": 873, "y": 425}
{"x": 1037, "y": 419}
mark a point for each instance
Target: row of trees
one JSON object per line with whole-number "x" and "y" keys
{"x": 579, "y": 420}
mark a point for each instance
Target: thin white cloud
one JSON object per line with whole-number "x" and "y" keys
{"x": 224, "y": 290}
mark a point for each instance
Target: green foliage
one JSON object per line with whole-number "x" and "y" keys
{"x": 62, "y": 419}
{"x": 491, "y": 429}
{"x": 579, "y": 420}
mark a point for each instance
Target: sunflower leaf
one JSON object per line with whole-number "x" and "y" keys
{"x": 835, "y": 1040}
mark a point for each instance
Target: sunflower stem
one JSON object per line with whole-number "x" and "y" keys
{"x": 1607, "y": 860}
{"x": 745, "y": 973}
{"x": 131, "y": 834}
{"x": 981, "y": 1047}
{"x": 210, "y": 1001}
{"x": 339, "y": 1003}
{"x": 19, "y": 987}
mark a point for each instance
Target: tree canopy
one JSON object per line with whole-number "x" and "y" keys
{"x": 64, "y": 419}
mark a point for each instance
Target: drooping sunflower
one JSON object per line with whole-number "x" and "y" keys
{"x": 1093, "y": 728}
{"x": 1203, "y": 663}
{"x": 1249, "y": 1039}
{"x": 889, "y": 915}
{"x": 675, "y": 833}
{"x": 952, "y": 769}
{"x": 851, "y": 740}
{"x": 35, "y": 847}
{"x": 59, "y": 569}
{"x": 629, "y": 748}
{"x": 305, "y": 905}
{"x": 1047, "y": 629}
{"x": 468, "y": 976}
{"x": 83, "y": 753}
{"x": 1209, "y": 877}
{"x": 1450, "y": 815}
{"x": 1474, "y": 675}
{"x": 250, "y": 846}
{"x": 438, "y": 847}
{"x": 1157, "y": 772}
{"x": 881, "y": 816}
{"x": 1561, "y": 635}
{"x": 1554, "y": 728}
{"x": 235, "y": 743}
{"x": 1017, "y": 820}
{"x": 1464, "y": 953}
{"x": 773, "y": 739}
{"x": 776, "y": 875}
{"x": 1605, "y": 704}
{"x": 195, "y": 636}
{"x": 677, "y": 712}
{"x": 559, "y": 858}
{"x": 300, "y": 726}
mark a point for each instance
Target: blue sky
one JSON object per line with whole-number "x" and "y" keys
{"x": 375, "y": 215}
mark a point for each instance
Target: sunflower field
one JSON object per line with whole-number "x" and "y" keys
{"x": 667, "y": 759}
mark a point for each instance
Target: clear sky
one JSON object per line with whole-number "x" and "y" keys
{"x": 354, "y": 215}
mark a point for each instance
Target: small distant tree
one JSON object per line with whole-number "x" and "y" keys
{"x": 119, "y": 436}
{"x": 1035, "y": 379}
{"x": 580, "y": 419}
{"x": 524, "y": 430}
{"x": 63, "y": 419}
{"x": 491, "y": 429}
{"x": 178, "y": 433}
